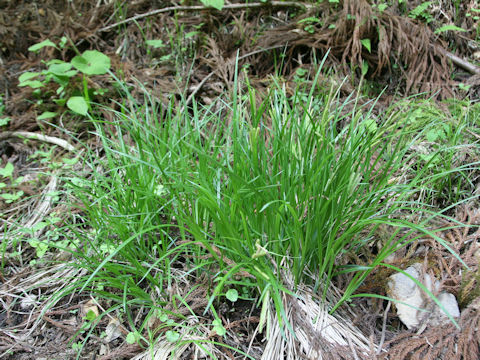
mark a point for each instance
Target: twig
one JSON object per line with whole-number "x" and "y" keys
{"x": 197, "y": 88}
{"x": 384, "y": 326}
{"x": 352, "y": 348}
{"x": 472, "y": 133}
{"x": 472, "y": 69}
{"x": 34, "y": 136}
{"x": 201, "y": 7}
{"x": 67, "y": 328}
{"x": 259, "y": 51}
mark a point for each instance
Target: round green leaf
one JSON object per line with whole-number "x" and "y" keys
{"x": 232, "y": 295}
{"x": 61, "y": 69}
{"x": 218, "y": 327}
{"x": 78, "y": 105}
{"x": 131, "y": 338}
{"x": 433, "y": 135}
{"x": 90, "y": 315}
{"x": 172, "y": 336}
{"x": 92, "y": 62}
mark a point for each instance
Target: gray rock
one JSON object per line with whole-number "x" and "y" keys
{"x": 415, "y": 308}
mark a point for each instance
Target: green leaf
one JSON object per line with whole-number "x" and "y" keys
{"x": 191, "y": 34}
{"x": 436, "y": 134}
{"x": 63, "y": 42}
{"x": 309, "y": 20}
{"x": 41, "y": 45}
{"x": 382, "y": 7}
{"x": 39, "y": 226}
{"x": 72, "y": 161}
{"x": 9, "y": 198}
{"x": 35, "y": 84}
{"x": 59, "y": 102}
{"x": 448, "y": 28}
{"x": 27, "y": 76}
{"x": 217, "y": 4}
{"x": 432, "y": 135}
{"x": 26, "y": 80}
{"x": 92, "y": 62}
{"x": 301, "y": 72}
{"x": 78, "y": 105}
{"x": 160, "y": 190}
{"x": 232, "y": 295}
{"x": 131, "y": 338}
{"x": 367, "y": 44}
{"x": 370, "y": 125}
{"x": 46, "y": 115}
{"x": 62, "y": 69}
{"x": 218, "y": 327}
{"x": 18, "y": 180}
{"x": 420, "y": 10}
{"x": 7, "y": 171}
{"x": 264, "y": 312}
{"x": 55, "y": 61}
{"x": 364, "y": 68}
{"x": 90, "y": 316}
{"x": 172, "y": 336}
{"x": 4, "y": 121}
{"x": 157, "y": 44}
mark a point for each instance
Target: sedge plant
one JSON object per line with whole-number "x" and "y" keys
{"x": 284, "y": 187}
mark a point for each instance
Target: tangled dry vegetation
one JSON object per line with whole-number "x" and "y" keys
{"x": 406, "y": 57}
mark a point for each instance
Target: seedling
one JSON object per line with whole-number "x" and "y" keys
{"x": 133, "y": 337}
{"x": 7, "y": 172}
{"x": 62, "y": 73}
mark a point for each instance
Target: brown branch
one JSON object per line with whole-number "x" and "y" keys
{"x": 34, "y": 136}
{"x": 68, "y": 328}
{"x": 472, "y": 69}
{"x": 201, "y": 7}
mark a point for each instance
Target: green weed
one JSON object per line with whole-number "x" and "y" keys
{"x": 63, "y": 74}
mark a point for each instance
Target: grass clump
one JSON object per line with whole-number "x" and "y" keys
{"x": 244, "y": 194}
